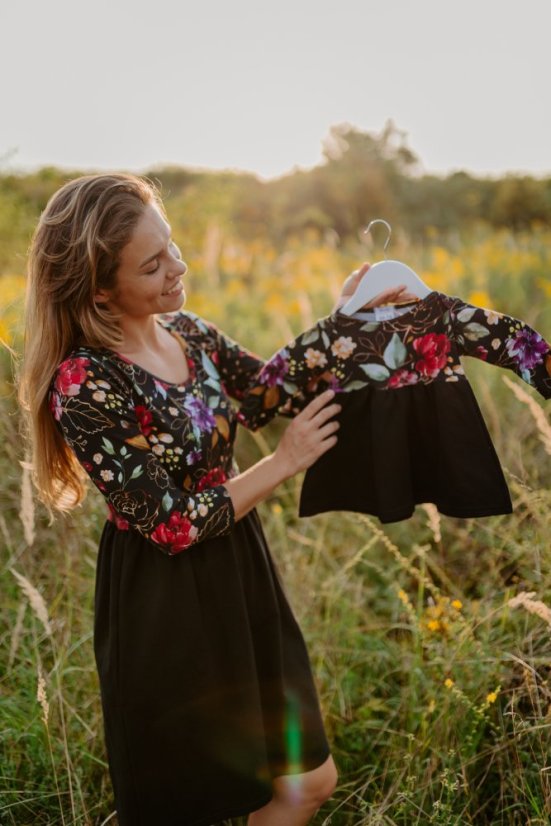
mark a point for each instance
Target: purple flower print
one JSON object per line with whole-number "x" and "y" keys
{"x": 527, "y": 348}
{"x": 275, "y": 370}
{"x": 202, "y": 417}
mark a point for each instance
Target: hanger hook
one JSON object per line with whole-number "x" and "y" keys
{"x": 388, "y": 227}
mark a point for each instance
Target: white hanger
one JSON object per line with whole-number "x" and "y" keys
{"x": 381, "y": 276}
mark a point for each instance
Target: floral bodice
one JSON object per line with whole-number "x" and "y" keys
{"x": 420, "y": 344}
{"x": 158, "y": 452}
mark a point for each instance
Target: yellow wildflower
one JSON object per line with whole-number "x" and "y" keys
{"x": 448, "y": 683}
{"x": 403, "y": 596}
{"x": 433, "y": 625}
{"x": 457, "y": 604}
{"x": 492, "y": 696}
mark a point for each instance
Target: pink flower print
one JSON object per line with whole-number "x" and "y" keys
{"x": 70, "y": 375}
{"x": 402, "y": 378}
{"x": 315, "y": 358}
{"x": 55, "y": 405}
{"x": 433, "y": 349}
{"x": 343, "y": 347}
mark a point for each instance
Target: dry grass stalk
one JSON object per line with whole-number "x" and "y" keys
{"x": 17, "y": 633}
{"x": 5, "y": 532}
{"x": 35, "y": 599}
{"x": 537, "y": 412}
{"x": 26, "y": 513}
{"x": 433, "y": 520}
{"x": 526, "y": 600}
{"x": 42, "y": 697}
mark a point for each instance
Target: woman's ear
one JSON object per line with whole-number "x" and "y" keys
{"x": 102, "y": 297}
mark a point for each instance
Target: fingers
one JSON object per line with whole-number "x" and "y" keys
{"x": 387, "y": 296}
{"x": 314, "y": 407}
{"x": 393, "y": 295}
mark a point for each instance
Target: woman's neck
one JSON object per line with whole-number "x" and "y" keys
{"x": 142, "y": 335}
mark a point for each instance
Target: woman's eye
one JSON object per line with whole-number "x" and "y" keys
{"x": 155, "y": 268}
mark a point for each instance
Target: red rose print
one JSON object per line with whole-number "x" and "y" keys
{"x": 482, "y": 353}
{"x": 215, "y": 476}
{"x": 113, "y": 516}
{"x": 70, "y": 375}
{"x": 177, "y": 534}
{"x": 433, "y": 349}
{"x": 145, "y": 419}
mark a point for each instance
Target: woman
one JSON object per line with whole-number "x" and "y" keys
{"x": 209, "y": 704}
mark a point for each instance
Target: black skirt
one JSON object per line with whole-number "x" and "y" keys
{"x": 206, "y": 685}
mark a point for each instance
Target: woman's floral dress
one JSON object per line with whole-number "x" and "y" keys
{"x": 206, "y": 686}
{"x": 411, "y": 430}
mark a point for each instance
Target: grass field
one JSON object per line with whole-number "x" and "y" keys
{"x": 430, "y": 639}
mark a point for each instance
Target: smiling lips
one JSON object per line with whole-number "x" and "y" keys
{"x": 176, "y": 289}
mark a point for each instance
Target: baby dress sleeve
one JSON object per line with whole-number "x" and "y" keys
{"x": 504, "y": 341}
{"x": 92, "y": 405}
{"x": 292, "y": 377}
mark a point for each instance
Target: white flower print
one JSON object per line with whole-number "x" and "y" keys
{"x": 343, "y": 347}
{"x": 99, "y": 396}
{"x": 492, "y": 317}
{"x": 315, "y": 358}
{"x": 98, "y": 458}
{"x": 107, "y": 475}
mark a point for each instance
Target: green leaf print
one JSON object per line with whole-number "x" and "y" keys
{"x": 466, "y": 314}
{"x": 108, "y": 446}
{"x": 395, "y": 353}
{"x": 475, "y": 331}
{"x": 377, "y": 372}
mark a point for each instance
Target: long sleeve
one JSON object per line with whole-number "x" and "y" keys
{"x": 293, "y": 376}
{"x": 104, "y": 426}
{"x": 503, "y": 341}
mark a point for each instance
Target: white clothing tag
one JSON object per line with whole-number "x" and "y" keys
{"x": 385, "y": 313}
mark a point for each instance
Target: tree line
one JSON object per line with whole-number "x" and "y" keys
{"x": 363, "y": 175}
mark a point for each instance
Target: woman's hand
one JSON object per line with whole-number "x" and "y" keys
{"x": 309, "y": 435}
{"x": 393, "y": 295}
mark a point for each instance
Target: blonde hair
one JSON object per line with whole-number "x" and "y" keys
{"x": 74, "y": 253}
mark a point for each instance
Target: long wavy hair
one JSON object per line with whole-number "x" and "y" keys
{"x": 75, "y": 251}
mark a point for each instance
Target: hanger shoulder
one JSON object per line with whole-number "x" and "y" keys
{"x": 380, "y": 277}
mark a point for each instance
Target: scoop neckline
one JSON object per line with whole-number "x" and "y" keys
{"x": 414, "y": 309}
{"x": 187, "y": 355}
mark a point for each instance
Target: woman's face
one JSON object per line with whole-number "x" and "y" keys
{"x": 148, "y": 279}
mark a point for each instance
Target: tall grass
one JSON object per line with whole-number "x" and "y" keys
{"x": 430, "y": 639}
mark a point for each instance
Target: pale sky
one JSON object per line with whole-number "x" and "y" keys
{"x": 124, "y": 84}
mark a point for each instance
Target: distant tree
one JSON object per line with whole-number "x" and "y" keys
{"x": 520, "y": 202}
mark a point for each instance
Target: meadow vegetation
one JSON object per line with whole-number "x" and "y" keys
{"x": 429, "y": 639}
